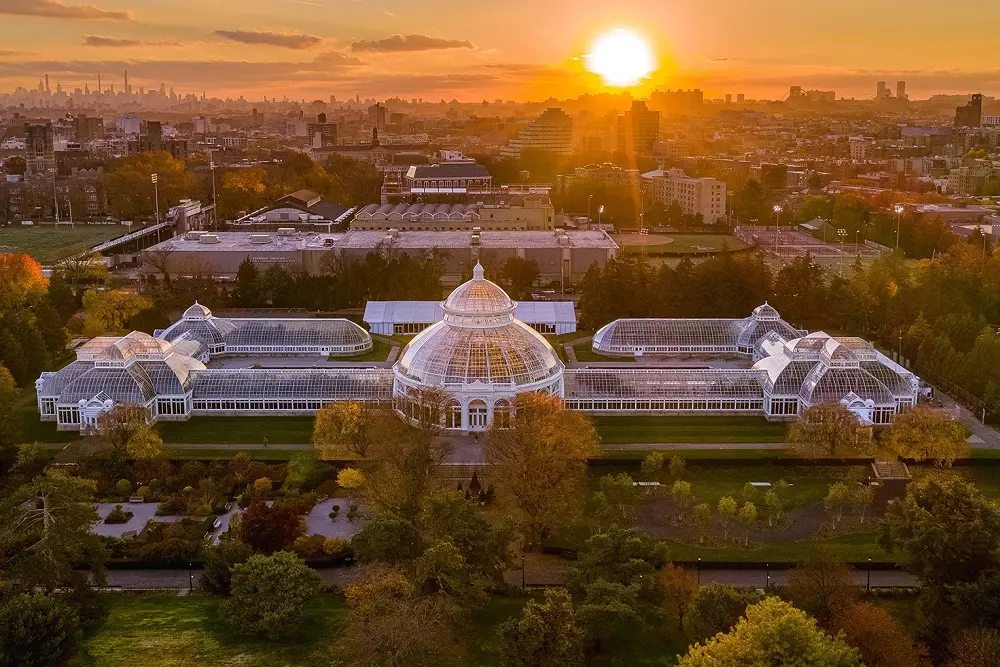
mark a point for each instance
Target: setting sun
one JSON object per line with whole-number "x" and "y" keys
{"x": 621, "y": 58}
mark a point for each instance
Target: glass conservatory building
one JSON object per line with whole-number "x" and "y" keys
{"x": 269, "y": 336}
{"x": 479, "y": 355}
{"x": 474, "y": 362}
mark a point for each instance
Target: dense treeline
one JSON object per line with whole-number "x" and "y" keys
{"x": 944, "y": 313}
{"x": 239, "y": 190}
{"x": 342, "y": 284}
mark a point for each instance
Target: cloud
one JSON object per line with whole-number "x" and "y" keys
{"x": 101, "y": 40}
{"x": 285, "y": 40}
{"x": 406, "y": 43}
{"x": 58, "y": 10}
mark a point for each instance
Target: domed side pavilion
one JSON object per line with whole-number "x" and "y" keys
{"x": 479, "y": 356}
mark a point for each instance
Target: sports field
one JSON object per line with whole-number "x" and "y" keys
{"x": 654, "y": 244}
{"x": 49, "y": 244}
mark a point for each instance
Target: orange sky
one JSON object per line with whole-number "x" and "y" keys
{"x": 516, "y": 49}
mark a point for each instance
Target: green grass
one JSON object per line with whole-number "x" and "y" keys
{"x": 171, "y": 631}
{"x": 585, "y": 352}
{"x": 239, "y": 430}
{"x": 689, "y": 243}
{"x": 49, "y": 244}
{"x": 808, "y": 483}
{"x": 379, "y": 352}
{"x": 695, "y": 454}
{"x": 617, "y": 430}
{"x": 851, "y": 547}
{"x": 158, "y": 630}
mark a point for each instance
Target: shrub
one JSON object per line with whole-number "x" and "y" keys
{"x": 334, "y": 546}
{"x": 123, "y": 488}
{"x": 352, "y": 512}
{"x": 118, "y": 515}
{"x": 300, "y": 503}
{"x": 309, "y": 547}
{"x": 142, "y": 492}
{"x": 268, "y": 594}
{"x": 36, "y": 630}
{"x": 220, "y": 560}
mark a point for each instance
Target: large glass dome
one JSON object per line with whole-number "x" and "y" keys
{"x": 479, "y": 341}
{"x": 479, "y": 354}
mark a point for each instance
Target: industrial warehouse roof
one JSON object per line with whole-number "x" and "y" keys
{"x": 427, "y": 312}
{"x": 448, "y": 170}
{"x": 244, "y": 241}
{"x": 370, "y": 239}
{"x": 357, "y": 238}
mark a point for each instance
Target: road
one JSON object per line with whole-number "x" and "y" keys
{"x": 181, "y": 580}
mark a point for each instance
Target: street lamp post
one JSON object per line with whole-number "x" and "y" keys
{"x": 190, "y": 578}
{"x": 699, "y": 570}
{"x": 899, "y": 214}
{"x": 156, "y": 197}
{"x": 841, "y": 233}
{"x": 600, "y": 211}
{"x": 590, "y": 199}
{"x": 69, "y": 203}
{"x": 868, "y": 586}
{"x": 777, "y": 216}
{"x": 767, "y": 576}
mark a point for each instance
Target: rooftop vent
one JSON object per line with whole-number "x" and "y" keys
{"x": 208, "y": 238}
{"x": 259, "y": 239}
{"x": 193, "y": 236}
{"x": 286, "y": 231}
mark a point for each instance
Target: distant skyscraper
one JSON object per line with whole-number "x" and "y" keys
{"x": 729, "y": 98}
{"x": 552, "y": 132}
{"x": 880, "y": 90}
{"x": 901, "y": 90}
{"x": 971, "y": 115}
{"x": 740, "y": 98}
{"x": 638, "y": 129}
{"x": 377, "y": 116}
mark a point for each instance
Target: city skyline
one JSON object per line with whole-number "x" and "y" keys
{"x": 519, "y": 51}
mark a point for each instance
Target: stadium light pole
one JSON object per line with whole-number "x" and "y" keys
{"x": 590, "y": 199}
{"x": 55, "y": 197}
{"x": 777, "y": 216}
{"x": 156, "y": 197}
{"x": 899, "y": 214}
{"x": 600, "y": 210}
{"x": 215, "y": 199}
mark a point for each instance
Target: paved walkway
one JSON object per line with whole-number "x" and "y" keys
{"x": 983, "y": 436}
{"x": 182, "y": 579}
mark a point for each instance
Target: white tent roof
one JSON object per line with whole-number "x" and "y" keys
{"x": 405, "y": 312}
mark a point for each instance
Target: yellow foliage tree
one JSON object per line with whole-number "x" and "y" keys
{"x": 539, "y": 462}
{"x": 924, "y": 433}
{"x": 110, "y": 312}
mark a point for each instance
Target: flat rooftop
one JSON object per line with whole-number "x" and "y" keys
{"x": 358, "y": 238}
{"x": 230, "y": 241}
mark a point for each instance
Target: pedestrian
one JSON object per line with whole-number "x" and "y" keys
{"x": 265, "y": 443}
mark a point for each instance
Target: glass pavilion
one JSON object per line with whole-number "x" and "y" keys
{"x": 474, "y": 361}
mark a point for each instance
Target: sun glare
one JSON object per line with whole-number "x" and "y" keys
{"x": 621, "y": 58}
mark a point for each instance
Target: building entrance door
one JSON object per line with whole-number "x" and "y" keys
{"x": 477, "y": 415}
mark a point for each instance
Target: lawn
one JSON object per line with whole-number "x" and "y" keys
{"x": 49, "y": 244}
{"x": 808, "y": 483}
{"x": 851, "y": 547}
{"x": 239, "y": 431}
{"x": 585, "y": 352}
{"x": 158, "y": 630}
{"x": 379, "y": 352}
{"x": 167, "y": 630}
{"x": 670, "y": 429}
{"x": 689, "y": 243}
